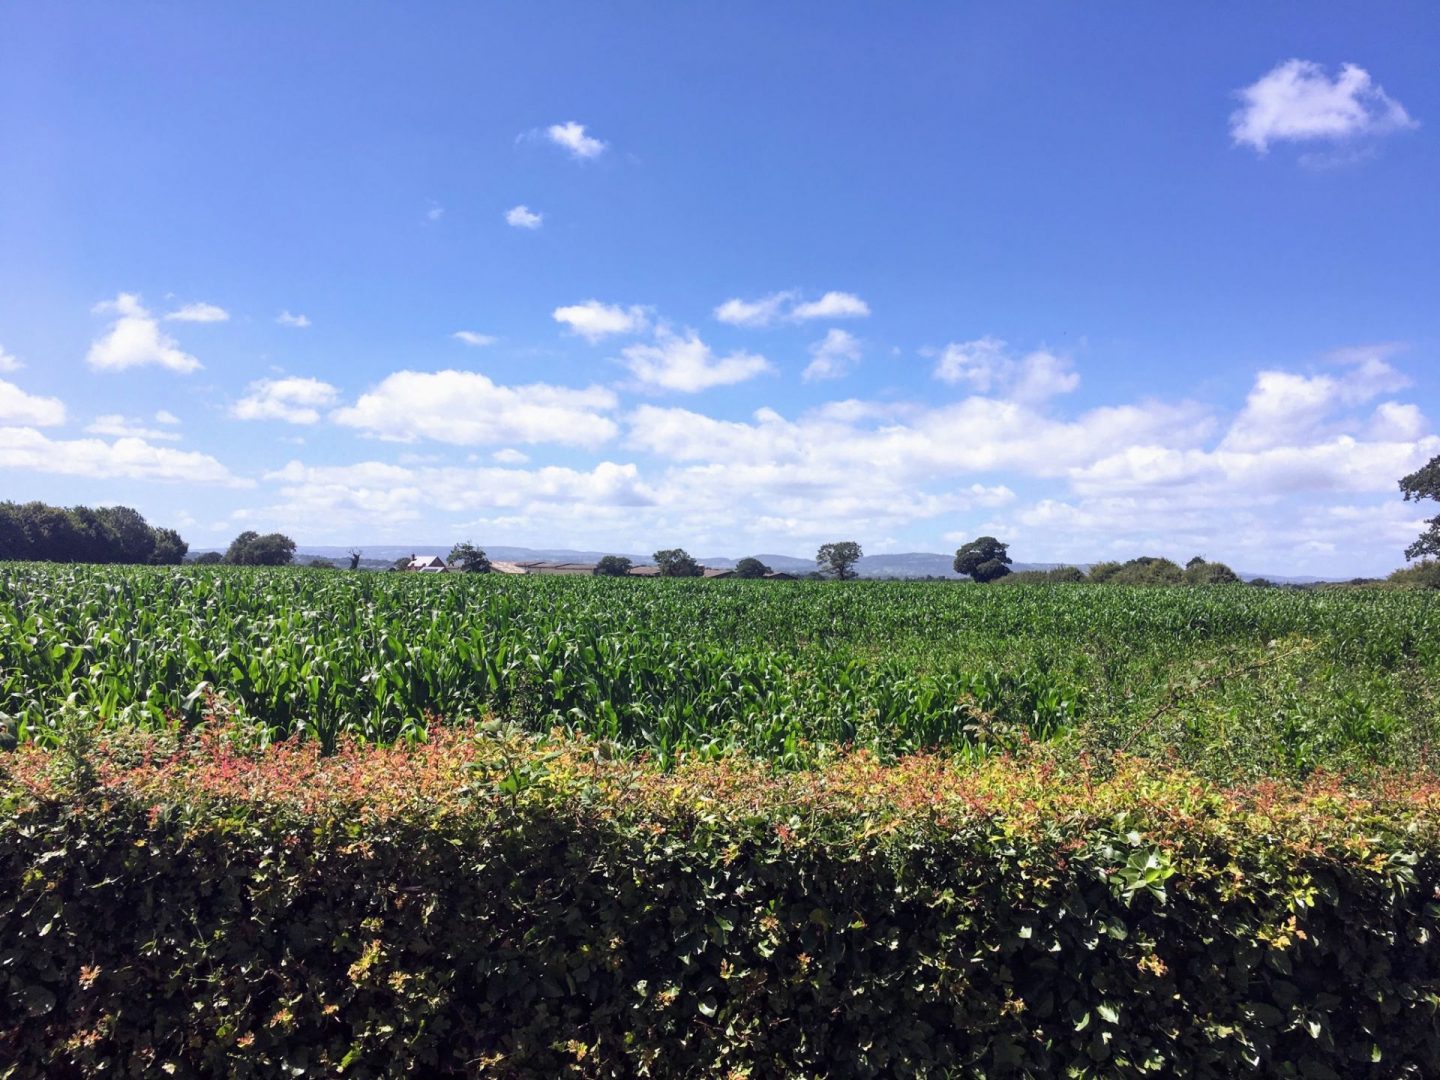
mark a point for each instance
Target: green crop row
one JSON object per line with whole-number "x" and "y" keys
{"x": 1237, "y": 681}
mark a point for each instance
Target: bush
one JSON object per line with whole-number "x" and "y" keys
{"x": 1423, "y": 575}
{"x": 507, "y": 907}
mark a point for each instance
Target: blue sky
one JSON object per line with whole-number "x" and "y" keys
{"x": 1100, "y": 281}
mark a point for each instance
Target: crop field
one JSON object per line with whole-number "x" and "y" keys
{"x": 1233, "y": 682}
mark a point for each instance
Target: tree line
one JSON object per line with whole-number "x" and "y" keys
{"x": 38, "y": 532}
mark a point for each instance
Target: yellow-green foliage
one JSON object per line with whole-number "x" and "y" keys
{"x": 496, "y": 905}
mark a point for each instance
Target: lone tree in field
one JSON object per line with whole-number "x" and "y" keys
{"x": 469, "y": 558}
{"x": 984, "y": 559}
{"x": 839, "y": 559}
{"x": 676, "y": 562}
{"x": 613, "y": 566}
{"x": 355, "y": 554}
{"x": 751, "y": 568}
{"x": 1424, "y": 483}
{"x": 252, "y": 549}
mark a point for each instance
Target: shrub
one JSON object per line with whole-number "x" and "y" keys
{"x": 503, "y": 906}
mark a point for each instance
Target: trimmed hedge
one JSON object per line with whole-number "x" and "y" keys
{"x": 492, "y": 905}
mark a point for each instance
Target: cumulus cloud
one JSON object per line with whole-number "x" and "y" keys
{"x": 198, "y": 312}
{"x": 135, "y": 339}
{"x": 687, "y": 364}
{"x": 470, "y": 337}
{"x": 593, "y": 320}
{"x": 285, "y": 318}
{"x": 522, "y": 217}
{"x": 510, "y": 456}
{"x": 833, "y": 305}
{"x": 125, "y": 458}
{"x": 572, "y": 137}
{"x": 293, "y": 399}
{"x": 164, "y": 416}
{"x": 832, "y": 356}
{"x": 785, "y": 306}
{"x": 8, "y": 361}
{"x": 1297, "y": 102}
{"x": 465, "y": 408}
{"x": 987, "y": 367}
{"x": 118, "y": 426}
{"x": 18, "y": 407}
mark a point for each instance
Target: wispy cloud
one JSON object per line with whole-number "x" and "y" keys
{"x": 1297, "y": 102}
{"x": 123, "y": 427}
{"x": 786, "y": 306}
{"x": 572, "y": 137}
{"x": 135, "y": 339}
{"x": 198, "y": 312}
{"x": 285, "y": 318}
{"x": 687, "y": 364}
{"x": 9, "y": 361}
{"x": 18, "y": 407}
{"x": 985, "y": 366}
{"x": 522, "y": 217}
{"x": 593, "y": 320}
{"x": 832, "y": 356}
{"x": 470, "y": 337}
{"x": 293, "y": 399}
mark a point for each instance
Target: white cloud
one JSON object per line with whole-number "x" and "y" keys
{"x": 510, "y": 456}
{"x": 1393, "y": 421}
{"x": 470, "y": 337}
{"x": 164, "y": 416}
{"x": 687, "y": 364}
{"x": 522, "y": 217}
{"x": 118, "y": 426}
{"x": 593, "y": 320}
{"x": 8, "y": 361}
{"x": 1298, "y": 102}
{"x": 287, "y": 319}
{"x": 771, "y": 309}
{"x": 198, "y": 312}
{"x": 572, "y": 137}
{"x": 18, "y": 407}
{"x": 435, "y": 213}
{"x": 832, "y": 356}
{"x": 986, "y": 367}
{"x": 126, "y": 458}
{"x": 833, "y": 305}
{"x": 760, "y": 312}
{"x": 293, "y": 399}
{"x": 465, "y": 408}
{"x": 135, "y": 340}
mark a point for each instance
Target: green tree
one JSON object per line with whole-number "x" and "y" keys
{"x": 751, "y": 568}
{"x": 133, "y": 535}
{"x": 1424, "y": 483}
{"x": 169, "y": 549}
{"x": 839, "y": 559}
{"x": 1200, "y": 572}
{"x": 252, "y": 549}
{"x": 469, "y": 558}
{"x": 983, "y": 559}
{"x": 209, "y": 558}
{"x": 613, "y": 566}
{"x": 676, "y": 562}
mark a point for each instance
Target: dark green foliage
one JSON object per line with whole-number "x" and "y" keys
{"x": 253, "y": 549}
{"x": 209, "y": 558}
{"x": 613, "y": 566}
{"x": 839, "y": 559}
{"x": 1424, "y": 483}
{"x": 320, "y": 564}
{"x": 469, "y": 558}
{"x": 1199, "y": 572}
{"x": 35, "y": 531}
{"x": 1059, "y": 575}
{"x": 1423, "y": 575}
{"x": 1145, "y": 570}
{"x": 533, "y": 914}
{"x": 751, "y": 568}
{"x": 676, "y": 562}
{"x": 984, "y": 559}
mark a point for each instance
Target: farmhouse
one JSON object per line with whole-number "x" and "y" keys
{"x": 427, "y": 564}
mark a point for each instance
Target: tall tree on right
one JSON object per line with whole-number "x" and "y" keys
{"x": 1424, "y": 483}
{"x": 839, "y": 559}
{"x": 983, "y": 559}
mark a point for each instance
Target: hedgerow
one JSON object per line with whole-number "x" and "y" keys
{"x": 497, "y": 904}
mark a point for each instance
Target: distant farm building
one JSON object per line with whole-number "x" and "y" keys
{"x": 544, "y": 566}
{"x": 427, "y": 564}
{"x": 717, "y": 572}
